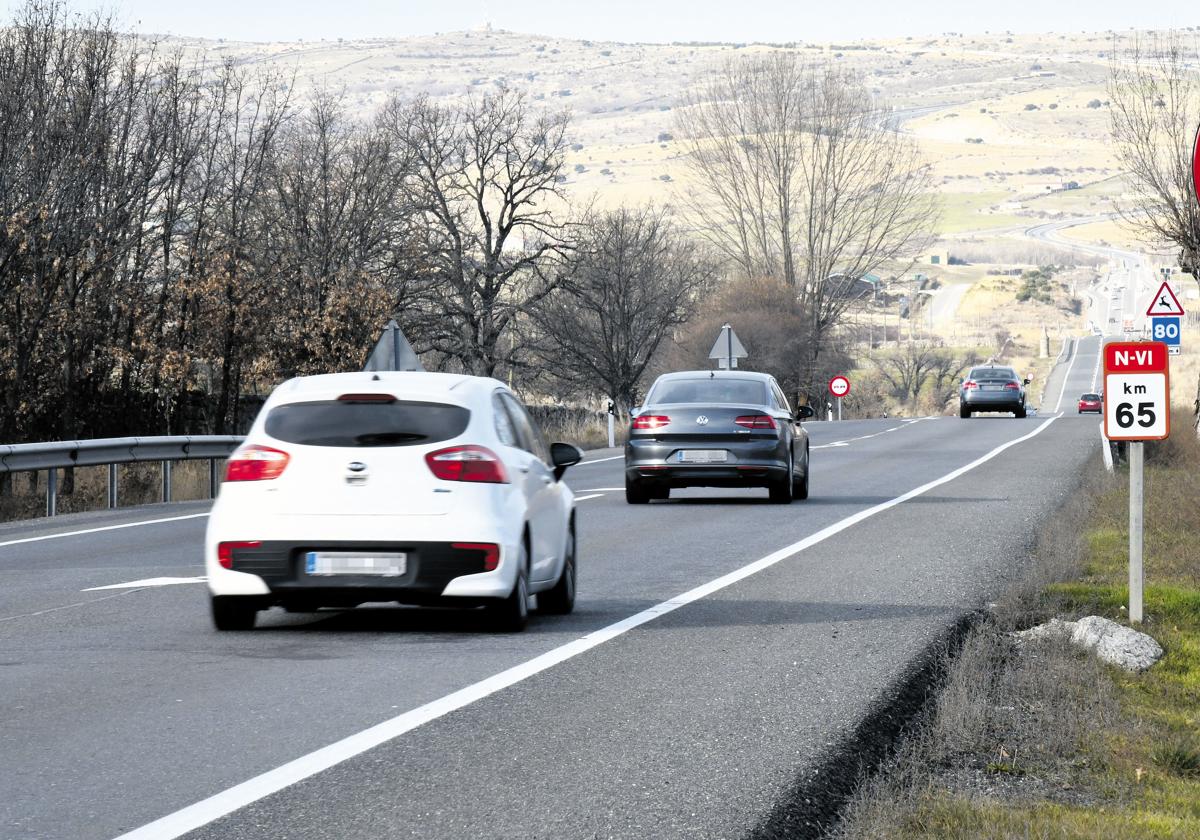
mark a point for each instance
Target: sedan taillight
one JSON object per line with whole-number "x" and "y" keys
{"x": 756, "y": 421}
{"x": 970, "y": 384}
{"x": 651, "y": 421}
{"x": 1013, "y": 386}
{"x": 472, "y": 463}
{"x": 256, "y": 463}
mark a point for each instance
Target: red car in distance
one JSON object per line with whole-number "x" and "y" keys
{"x": 1090, "y": 402}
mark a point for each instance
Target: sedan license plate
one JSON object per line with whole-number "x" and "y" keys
{"x": 993, "y": 387}
{"x": 380, "y": 564}
{"x": 702, "y": 456}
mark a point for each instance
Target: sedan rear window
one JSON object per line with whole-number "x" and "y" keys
{"x": 351, "y": 424}
{"x": 711, "y": 391}
{"x": 1091, "y": 397}
{"x": 994, "y": 373}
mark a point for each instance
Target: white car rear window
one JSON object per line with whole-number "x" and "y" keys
{"x": 351, "y": 424}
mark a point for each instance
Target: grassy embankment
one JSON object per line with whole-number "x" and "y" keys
{"x": 1043, "y": 741}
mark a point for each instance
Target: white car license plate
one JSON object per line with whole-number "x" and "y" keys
{"x": 381, "y": 564}
{"x": 993, "y": 387}
{"x": 702, "y": 456}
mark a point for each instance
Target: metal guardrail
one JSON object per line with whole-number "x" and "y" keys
{"x": 27, "y": 457}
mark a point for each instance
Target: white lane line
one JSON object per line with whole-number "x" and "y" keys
{"x": 231, "y": 799}
{"x": 585, "y": 498}
{"x": 599, "y": 461}
{"x": 1067, "y": 378}
{"x": 1096, "y": 369}
{"x": 105, "y": 528}
{"x": 145, "y": 582}
{"x": 602, "y": 490}
{"x": 848, "y": 441}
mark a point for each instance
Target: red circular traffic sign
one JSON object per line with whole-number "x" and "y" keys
{"x": 839, "y": 386}
{"x": 1196, "y": 164}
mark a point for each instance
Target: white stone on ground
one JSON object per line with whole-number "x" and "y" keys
{"x": 1114, "y": 643}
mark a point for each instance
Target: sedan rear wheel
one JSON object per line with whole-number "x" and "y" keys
{"x": 964, "y": 412}
{"x": 800, "y": 488}
{"x": 636, "y": 492}
{"x": 781, "y": 490}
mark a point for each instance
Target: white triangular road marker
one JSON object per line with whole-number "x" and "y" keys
{"x": 138, "y": 584}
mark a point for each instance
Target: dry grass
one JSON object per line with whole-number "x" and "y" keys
{"x": 138, "y": 484}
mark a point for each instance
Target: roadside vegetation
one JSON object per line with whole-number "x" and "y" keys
{"x": 1042, "y": 740}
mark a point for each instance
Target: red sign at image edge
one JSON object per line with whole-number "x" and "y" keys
{"x": 1196, "y": 165}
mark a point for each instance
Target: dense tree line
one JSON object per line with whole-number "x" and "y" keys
{"x": 178, "y": 235}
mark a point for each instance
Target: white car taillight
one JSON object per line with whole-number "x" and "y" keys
{"x": 467, "y": 463}
{"x": 256, "y": 463}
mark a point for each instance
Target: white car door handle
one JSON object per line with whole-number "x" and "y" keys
{"x": 547, "y": 480}
{"x": 524, "y": 469}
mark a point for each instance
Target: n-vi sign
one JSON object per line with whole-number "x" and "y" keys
{"x": 1136, "y": 393}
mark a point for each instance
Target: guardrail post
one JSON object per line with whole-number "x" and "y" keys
{"x": 112, "y": 486}
{"x": 166, "y": 481}
{"x": 212, "y": 478}
{"x": 51, "y": 492}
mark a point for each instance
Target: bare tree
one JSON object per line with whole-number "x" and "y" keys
{"x": 1154, "y": 92}
{"x": 631, "y": 281}
{"x": 485, "y": 185}
{"x": 800, "y": 180}
{"x": 909, "y": 369}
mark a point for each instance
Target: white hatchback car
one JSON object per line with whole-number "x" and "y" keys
{"x": 418, "y": 488}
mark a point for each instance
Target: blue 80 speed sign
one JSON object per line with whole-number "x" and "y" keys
{"x": 1165, "y": 329}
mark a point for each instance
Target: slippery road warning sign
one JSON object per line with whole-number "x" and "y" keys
{"x": 1164, "y": 302}
{"x": 1137, "y": 395}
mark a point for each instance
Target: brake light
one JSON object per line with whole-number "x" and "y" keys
{"x": 756, "y": 421}
{"x": 367, "y": 398}
{"x": 491, "y": 553}
{"x": 467, "y": 463}
{"x": 1013, "y": 386}
{"x": 256, "y": 463}
{"x": 651, "y": 421}
{"x": 969, "y": 384}
{"x": 225, "y": 551}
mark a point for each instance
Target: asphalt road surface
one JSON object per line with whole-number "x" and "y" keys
{"x": 721, "y": 645}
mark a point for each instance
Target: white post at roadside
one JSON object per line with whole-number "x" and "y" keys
{"x": 612, "y": 439}
{"x": 1135, "y": 531}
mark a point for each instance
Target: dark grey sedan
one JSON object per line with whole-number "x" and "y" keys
{"x": 716, "y": 429}
{"x": 992, "y": 388}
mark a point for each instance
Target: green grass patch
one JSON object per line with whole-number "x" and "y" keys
{"x": 973, "y": 211}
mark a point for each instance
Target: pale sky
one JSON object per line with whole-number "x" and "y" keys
{"x": 639, "y": 20}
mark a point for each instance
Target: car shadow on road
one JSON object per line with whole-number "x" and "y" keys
{"x": 878, "y": 500}
{"x": 829, "y": 500}
{"x": 425, "y": 624}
